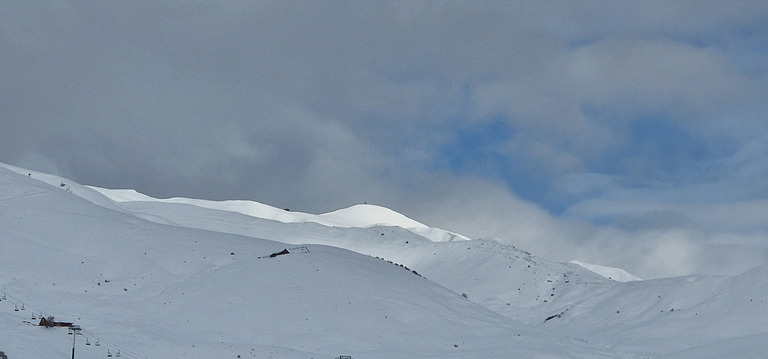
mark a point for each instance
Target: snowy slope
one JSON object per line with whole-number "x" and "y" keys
{"x": 611, "y": 273}
{"x": 158, "y": 278}
{"x": 664, "y": 316}
{"x": 472, "y": 267}
{"x": 154, "y": 290}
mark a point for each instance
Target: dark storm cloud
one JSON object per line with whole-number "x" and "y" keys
{"x": 601, "y": 128}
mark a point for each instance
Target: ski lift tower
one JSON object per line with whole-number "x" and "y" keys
{"x": 74, "y": 331}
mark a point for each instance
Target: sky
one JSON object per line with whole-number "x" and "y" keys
{"x": 629, "y": 134}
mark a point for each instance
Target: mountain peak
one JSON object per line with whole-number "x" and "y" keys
{"x": 367, "y": 215}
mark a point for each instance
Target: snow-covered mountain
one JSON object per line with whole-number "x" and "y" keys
{"x": 177, "y": 278}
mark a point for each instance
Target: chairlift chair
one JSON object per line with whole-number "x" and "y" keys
{"x": 22, "y": 306}
{"x": 97, "y": 343}
{"x": 15, "y": 308}
{"x": 118, "y": 353}
{"x": 109, "y": 353}
{"x": 87, "y": 342}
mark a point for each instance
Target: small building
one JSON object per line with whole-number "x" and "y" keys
{"x": 50, "y": 323}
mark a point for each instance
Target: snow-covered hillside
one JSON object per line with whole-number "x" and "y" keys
{"x": 616, "y": 274}
{"x": 178, "y": 278}
{"x": 153, "y": 290}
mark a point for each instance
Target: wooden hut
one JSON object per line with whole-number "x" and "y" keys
{"x": 44, "y": 322}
